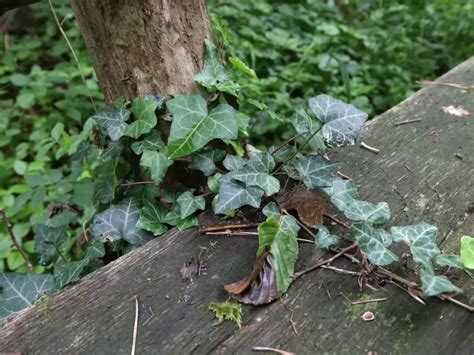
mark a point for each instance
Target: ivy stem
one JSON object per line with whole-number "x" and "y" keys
{"x": 286, "y": 142}
{"x": 136, "y": 183}
{"x": 228, "y": 226}
{"x": 9, "y": 226}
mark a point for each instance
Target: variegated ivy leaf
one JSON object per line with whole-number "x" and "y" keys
{"x": 373, "y": 242}
{"x": 233, "y": 195}
{"x": 279, "y": 237}
{"x": 450, "y": 260}
{"x": 47, "y": 242}
{"x": 113, "y": 121}
{"x": 120, "y": 221}
{"x": 157, "y": 163}
{"x": 206, "y": 162}
{"x": 271, "y": 210}
{"x": 342, "y": 193}
{"x": 152, "y": 141}
{"x": 363, "y": 211}
{"x": 192, "y": 127}
{"x": 19, "y": 291}
{"x": 152, "y": 217}
{"x": 257, "y": 173}
{"x": 159, "y": 100}
{"x": 105, "y": 182}
{"x": 67, "y": 272}
{"x": 310, "y": 129}
{"x": 434, "y": 285}
{"x": 421, "y": 238}
{"x": 234, "y": 162}
{"x": 145, "y": 119}
{"x": 213, "y": 76}
{"x": 324, "y": 239}
{"x": 173, "y": 218}
{"x": 282, "y": 154}
{"x": 315, "y": 171}
{"x": 188, "y": 203}
{"x": 342, "y": 122}
{"x": 213, "y": 182}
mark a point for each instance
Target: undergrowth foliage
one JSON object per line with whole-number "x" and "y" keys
{"x": 131, "y": 160}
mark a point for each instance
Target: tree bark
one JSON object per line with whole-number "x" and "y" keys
{"x": 146, "y": 46}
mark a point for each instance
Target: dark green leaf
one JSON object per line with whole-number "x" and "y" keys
{"x": 68, "y": 272}
{"x": 113, "y": 121}
{"x": 205, "y": 162}
{"x": 145, "y": 119}
{"x": 152, "y": 217}
{"x": 105, "y": 182}
{"x": 316, "y": 171}
{"x": 434, "y": 285}
{"x": 188, "y": 203}
{"x": 233, "y": 195}
{"x": 373, "y": 242}
{"x": 152, "y": 141}
{"x": 47, "y": 242}
{"x": 157, "y": 163}
{"x": 234, "y": 162}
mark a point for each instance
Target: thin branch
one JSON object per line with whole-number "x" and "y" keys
{"x": 227, "y": 226}
{"x": 451, "y": 85}
{"x": 341, "y": 271}
{"x": 373, "y": 300}
{"x": 335, "y": 220}
{"x": 286, "y": 142}
{"x": 407, "y": 121}
{"x": 229, "y": 232}
{"x": 278, "y": 351}
{"x": 136, "y": 183}
{"x": 369, "y": 148}
{"x": 135, "y": 328}
{"x": 17, "y": 245}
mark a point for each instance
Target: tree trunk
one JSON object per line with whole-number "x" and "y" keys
{"x": 146, "y": 46}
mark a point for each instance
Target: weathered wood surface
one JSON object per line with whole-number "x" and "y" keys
{"x": 416, "y": 171}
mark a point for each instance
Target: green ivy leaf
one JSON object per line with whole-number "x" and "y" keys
{"x": 234, "y": 162}
{"x": 450, "y": 260}
{"x": 145, "y": 119}
{"x": 341, "y": 193}
{"x": 283, "y": 154}
{"x": 310, "y": 129}
{"x": 233, "y": 195}
{"x": 21, "y": 290}
{"x": 157, "y": 163}
{"x": 68, "y": 272}
{"x": 467, "y": 251}
{"x": 342, "y": 122}
{"x": 213, "y": 76}
{"x": 188, "y": 203}
{"x": 192, "y": 127}
{"x": 239, "y": 65}
{"x": 257, "y": 173}
{"x": 120, "y": 222}
{"x": 271, "y": 210}
{"x": 151, "y": 141}
{"x": 105, "y": 182}
{"x": 152, "y": 217}
{"x": 95, "y": 250}
{"x": 324, "y": 239}
{"x": 47, "y": 242}
{"x": 213, "y": 182}
{"x": 315, "y": 171}
{"x": 434, "y": 285}
{"x": 279, "y": 237}
{"x": 373, "y": 242}
{"x": 421, "y": 238}
{"x": 173, "y": 218}
{"x": 206, "y": 162}
{"x": 113, "y": 121}
{"x": 363, "y": 211}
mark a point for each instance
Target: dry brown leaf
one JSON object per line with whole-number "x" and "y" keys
{"x": 259, "y": 287}
{"x": 456, "y": 111}
{"x": 309, "y": 205}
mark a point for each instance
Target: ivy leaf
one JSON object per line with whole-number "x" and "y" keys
{"x": 315, "y": 171}
{"x": 233, "y": 195}
{"x": 310, "y": 129}
{"x": 467, "y": 251}
{"x": 282, "y": 154}
{"x": 234, "y": 162}
{"x": 157, "y": 163}
{"x": 213, "y": 182}
{"x": 363, "y": 211}
{"x": 105, "y": 182}
{"x": 271, "y": 210}
{"x": 120, "y": 222}
{"x": 450, "y": 260}
{"x": 188, "y": 203}
{"x": 68, "y": 272}
{"x": 95, "y": 250}
{"x": 341, "y": 193}
{"x": 342, "y": 122}
{"x": 257, "y": 173}
{"x": 145, "y": 119}
{"x": 47, "y": 242}
{"x": 152, "y": 217}
{"x": 213, "y": 76}
{"x": 324, "y": 239}
{"x": 206, "y": 162}
{"x": 113, "y": 121}
{"x": 421, "y": 238}
{"x": 434, "y": 285}
{"x": 193, "y": 127}
{"x": 21, "y": 290}
{"x": 173, "y": 218}
{"x": 152, "y": 141}
{"x": 373, "y": 242}
{"x": 159, "y": 100}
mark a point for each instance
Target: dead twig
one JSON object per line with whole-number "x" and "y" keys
{"x": 337, "y": 221}
{"x": 136, "y": 183}
{"x": 135, "y": 328}
{"x": 344, "y": 176}
{"x": 229, "y": 232}
{"x": 274, "y": 350}
{"x": 407, "y": 121}
{"x": 341, "y": 271}
{"x": 369, "y": 148}
{"x": 227, "y": 226}
{"x": 370, "y": 301}
{"x": 17, "y": 245}
{"x": 450, "y": 85}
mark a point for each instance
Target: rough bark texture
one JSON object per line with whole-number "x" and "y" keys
{"x": 147, "y": 46}
{"x": 416, "y": 171}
